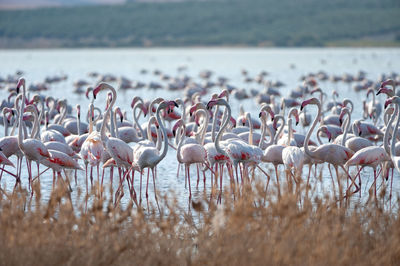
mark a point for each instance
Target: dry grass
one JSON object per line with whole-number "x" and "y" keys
{"x": 254, "y": 229}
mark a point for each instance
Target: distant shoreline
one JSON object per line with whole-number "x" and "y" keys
{"x": 17, "y": 45}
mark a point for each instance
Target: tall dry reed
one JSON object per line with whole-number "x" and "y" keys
{"x": 255, "y": 228}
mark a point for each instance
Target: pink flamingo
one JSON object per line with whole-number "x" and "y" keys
{"x": 334, "y": 154}
{"x": 188, "y": 154}
{"x": 237, "y": 150}
{"x": 149, "y": 157}
{"x": 33, "y": 149}
{"x": 121, "y": 152}
{"x": 9, "y": 146}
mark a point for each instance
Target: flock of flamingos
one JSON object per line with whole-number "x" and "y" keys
{"x": 204, "y": 134}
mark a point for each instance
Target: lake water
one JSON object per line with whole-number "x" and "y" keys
{"x": 286, "y": 65}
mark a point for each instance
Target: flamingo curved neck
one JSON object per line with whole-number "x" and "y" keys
{"x": 346, "y": 128}
{"x": 114, "y": 126}
{"x": 204, "y": 126}
{"x": 214, "y": 124}
{"x": 21, "y": 114}
{"x": 5, "y": 122}
{"x": 279, "y": 117}
{"x": 103, "y": 136}
{"x": 136, "y": 120}
{"x": 224, "y": 125}
{"x": 290, "y": 133}
{"x": 393, "y": 145}
{"x": 165, "y": 137}
{"x": 248, "y": 116}
{"x": 310, "y": 130}
{"x": 182, "y": 130}
{"x": 35, "y": 128}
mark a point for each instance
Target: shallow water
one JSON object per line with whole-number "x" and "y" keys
{"x": 286, "y": 65}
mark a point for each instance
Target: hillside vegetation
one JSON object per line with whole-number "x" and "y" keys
{"x": 206, "y": 23}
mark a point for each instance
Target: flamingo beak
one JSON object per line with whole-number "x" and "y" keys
{"x": 96, "y": 91}
{"x": 359, "y": 133}
{"x": 388, "y": 101}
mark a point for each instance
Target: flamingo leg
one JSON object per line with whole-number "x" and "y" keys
{"x": 198, "y": 176}
{"x": 98, "y": 177}
{"x": 375, "y": 182}
{"x": 188, "y": 178}
{"x": 333, "y": 182}
{"x": 91, "y": 176}
{"x": 177, "y": 172}
{"x": 241, "y": 173}
{"x": 54, "y": 179}
{"x": 338, "y": 180}
{"x": 111, "y": 175}
{"x": 28, "y": 162}
{"x": 147, "y": 184}
{"x": 220, "y": 184}
{"x": 155, "y": 191}
{"x": 308, "y": 178}
{"x": 86, "y": 180}
{"x": 1, "y": 175}
{"x": 8, "y": 172}
{"x": 391, "y": 184}
{"x": 140, "y": 188}
{"x": 76, "y": 177}
{"x": 277, "y": 180}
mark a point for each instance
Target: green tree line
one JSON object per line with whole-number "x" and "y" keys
{"x": 208, "y": 23}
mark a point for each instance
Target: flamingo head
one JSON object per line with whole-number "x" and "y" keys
{"x": 394, "y": 99}
{"x": 224, "y": 93}
{"x": 325, "y": 130}
{"x": 169, "y": 105}
{"x": 315, "y": 90}
{"x": 263, "y": 115}
{"x": 88, "y": 90}
{"x": 12, "y": 94}
{"x": 385, "y": 90}
{"x": 78, "y": 110}
{"x": 176, "y": 126}
{"x": 214, "y": 96}
{"x": 295, "y": 113}
{"x": 194, "y": 108}
{"x": 268, "y": 109}
{"x": 233, "y": 121}
{"x": 21, "y": 82}
{"x": 344, "y": 111}
{"x": 212, "y": 103}
{"x": 388, "y": 82}
{"x": 309, "y": 101}
{"x": 35, "y": 99}
{"x": 99, "y": 88}
{"x": 118, "y": 111}
{"x": 134, "y": 101}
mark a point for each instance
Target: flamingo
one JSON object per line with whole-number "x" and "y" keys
{"x": 394, "y": 157}
{"x": 354, "y": 143}
{"x": 149, "y": 157}
{"x": 334, "y": 154}
{"x": 33, "y": 149}
{"x": 188, "y": 154}
{"x": 237, "y": 150}
{"x": 121, "y": 152}
{"x": 9, "y": 146}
